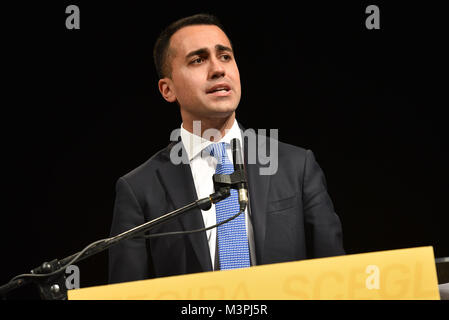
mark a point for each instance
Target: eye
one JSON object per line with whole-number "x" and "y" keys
{"x": 226, "y": 57}
{"x": 197, "y": 60}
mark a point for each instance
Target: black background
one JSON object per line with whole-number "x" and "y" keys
{"x": 80, "y": 108}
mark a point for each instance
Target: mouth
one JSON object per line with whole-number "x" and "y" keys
{"x": 219, "y": 90}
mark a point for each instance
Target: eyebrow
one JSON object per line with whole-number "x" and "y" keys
{"x": 221, "y": 48}
{"x": 202, "y": 51}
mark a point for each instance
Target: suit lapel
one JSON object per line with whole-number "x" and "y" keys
{"x": 258, "y": 194}
{"x": 178, "y": 182}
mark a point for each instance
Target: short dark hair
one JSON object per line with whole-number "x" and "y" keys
{"x": 160, "y": 51}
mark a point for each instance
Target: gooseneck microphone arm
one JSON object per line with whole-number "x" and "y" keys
{"x": 50, "y": 275}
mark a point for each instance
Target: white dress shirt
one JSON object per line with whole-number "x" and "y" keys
{"x": 203, "y": 168}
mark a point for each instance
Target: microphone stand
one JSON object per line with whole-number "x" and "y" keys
{"x": 50, "y": 277}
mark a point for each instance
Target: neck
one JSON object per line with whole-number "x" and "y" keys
{"x": 216, "y": 124}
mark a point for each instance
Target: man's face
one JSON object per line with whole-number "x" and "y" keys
{"x": 205, "y": 79}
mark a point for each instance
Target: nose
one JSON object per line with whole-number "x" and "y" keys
{"x": 216, "y": 69}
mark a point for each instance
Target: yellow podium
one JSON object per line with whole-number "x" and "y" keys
{"x": 386, "y": 275}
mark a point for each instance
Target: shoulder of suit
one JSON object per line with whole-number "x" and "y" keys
{"x": 290, "y": 148}
{"x": 287, "y": 149}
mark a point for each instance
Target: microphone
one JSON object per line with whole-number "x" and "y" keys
{"x": 239, "y": 170}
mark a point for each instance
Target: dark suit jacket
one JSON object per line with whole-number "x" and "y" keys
{"x": 291, "y": 212}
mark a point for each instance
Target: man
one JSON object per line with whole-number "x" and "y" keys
{"x": 289, "y": 216}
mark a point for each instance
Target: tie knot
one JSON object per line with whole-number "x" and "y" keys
{"x": 218, "y": 151}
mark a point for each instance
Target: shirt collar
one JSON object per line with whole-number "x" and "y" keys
{"x": 195, "y": 144}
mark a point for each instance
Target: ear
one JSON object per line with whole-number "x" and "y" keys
{"x": 166, "y": 89}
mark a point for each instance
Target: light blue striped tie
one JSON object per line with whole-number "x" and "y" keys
{"x": 232, "y": 239}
